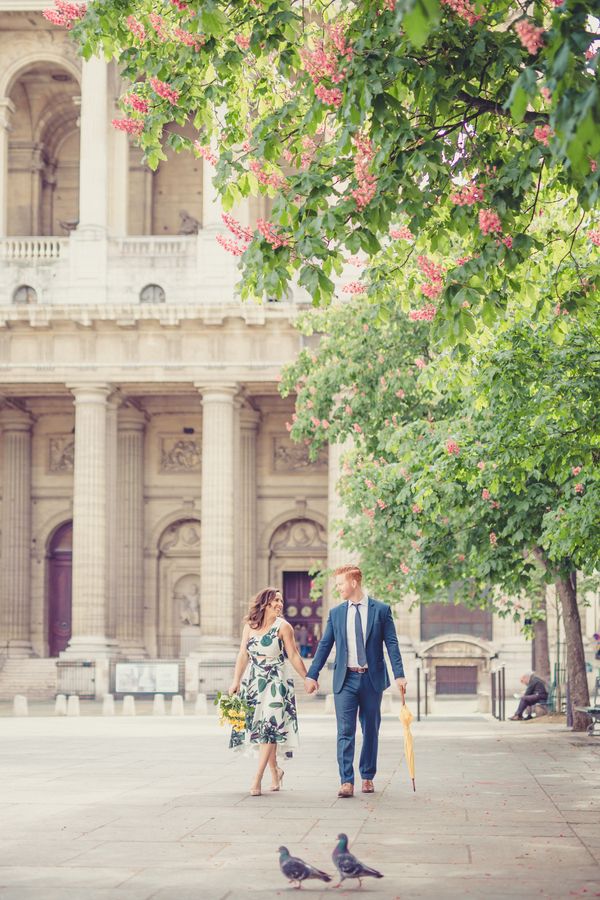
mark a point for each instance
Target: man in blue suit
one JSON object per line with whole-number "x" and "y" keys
{"x": 358, "y": 627}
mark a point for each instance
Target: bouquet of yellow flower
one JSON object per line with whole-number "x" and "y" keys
{"x": 232, "y": 710}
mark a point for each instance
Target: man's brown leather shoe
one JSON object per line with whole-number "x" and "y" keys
{"x": 368, "y": 786}
{"x": 346, "y": 790}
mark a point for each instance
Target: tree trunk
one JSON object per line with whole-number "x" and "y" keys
{"x": 541, "y": 650}
{"x": 577, "y": 676}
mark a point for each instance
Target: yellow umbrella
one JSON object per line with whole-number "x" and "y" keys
{"x": 406, "y": 718}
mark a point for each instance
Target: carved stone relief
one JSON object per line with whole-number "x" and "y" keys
{"x": 187, "y": 599}
{"x": 179, "y": 454}
{"x": 299, "y": 535}
{"x": 182, "y": 537}
{"x": 291, "y": 457}
{"x": 61, "y": 453}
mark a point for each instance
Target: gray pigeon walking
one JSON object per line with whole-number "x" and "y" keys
{"x": 348, "y": 865}
{"x": 296, "y": 870}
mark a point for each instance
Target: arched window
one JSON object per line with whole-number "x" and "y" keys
{"x": 25, "y": 294}
{"x": 152, "y": 293}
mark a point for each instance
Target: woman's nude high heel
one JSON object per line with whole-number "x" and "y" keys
{"x": 255, "y": 792}
{"x": 280, "y": 774}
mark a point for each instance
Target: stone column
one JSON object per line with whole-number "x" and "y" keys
{"x": 111, "y": 514}
{"x": 7, "y": 108}
{"x": 89, "y": 622}
{"x": 118, "y": 169}
{"x": 15, "y": 572}
{"x": 93, "y": 165}
{"x": 217, "y": 577}
{"x": 130, "y": 533}
{"x": 246, "y": 512}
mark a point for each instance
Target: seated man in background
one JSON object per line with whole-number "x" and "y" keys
{"x": 535, "y": 692}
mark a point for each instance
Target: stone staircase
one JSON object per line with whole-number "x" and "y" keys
{"x": 35, "y": 678}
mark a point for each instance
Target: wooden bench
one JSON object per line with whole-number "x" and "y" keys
{"x": 594, "y": 713}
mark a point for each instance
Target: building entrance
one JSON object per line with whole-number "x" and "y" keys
{"x": 60, "y": 567}
{"x": 304, "y": 614}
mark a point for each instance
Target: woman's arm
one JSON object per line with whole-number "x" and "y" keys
{"x": 240, "y": 663}
{"x": 289, "y": 642}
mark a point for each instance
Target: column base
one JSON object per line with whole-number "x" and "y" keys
{"x": 87, "y": 646}
{"x": 131, "y": 650}
{"x": 20, "y": 650}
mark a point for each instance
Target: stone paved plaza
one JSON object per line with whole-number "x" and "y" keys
{"x": 139, "y": 808}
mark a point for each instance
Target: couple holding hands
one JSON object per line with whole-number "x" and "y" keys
{"x": 358, "y": 627}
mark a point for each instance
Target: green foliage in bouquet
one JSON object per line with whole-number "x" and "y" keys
{"x": 232, "y": 710}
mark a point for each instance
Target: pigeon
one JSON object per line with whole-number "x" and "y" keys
{"x": 296, "y": 870}
{"x": 348, "y": 865}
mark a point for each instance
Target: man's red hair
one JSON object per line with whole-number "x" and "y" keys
{"x": 350, "y": 571}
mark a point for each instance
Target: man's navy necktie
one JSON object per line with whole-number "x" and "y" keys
{"x": 360, "y": 641}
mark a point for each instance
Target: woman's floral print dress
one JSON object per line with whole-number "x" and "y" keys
{"x": 269, "y": 694}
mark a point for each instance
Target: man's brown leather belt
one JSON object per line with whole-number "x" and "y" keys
{"x": 360, "y": 669}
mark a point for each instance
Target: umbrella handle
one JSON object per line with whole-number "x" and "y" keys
{"x": 403, "y": 692}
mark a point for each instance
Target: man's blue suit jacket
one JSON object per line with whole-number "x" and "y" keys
{"x": 380, "y": 630}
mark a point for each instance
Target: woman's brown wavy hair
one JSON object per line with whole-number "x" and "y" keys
{"x": 258, "y": 606}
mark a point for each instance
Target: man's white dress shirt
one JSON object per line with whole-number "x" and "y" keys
{"x": 356, "y": 609}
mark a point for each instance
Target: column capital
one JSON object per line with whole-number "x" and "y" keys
{"x": 90, "y": 392}
{"x": 131, "y": 418}
{"x": 7, "y": 109}
{"x": 217, "y": 392}
{"x": 250, "y": 419}
{"x": 14, "y": 419}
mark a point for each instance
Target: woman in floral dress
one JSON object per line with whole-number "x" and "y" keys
{"x": 260, "y": 679}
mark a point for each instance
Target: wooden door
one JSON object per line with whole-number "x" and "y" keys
{"x": 299, "y": 609}
{"x": 60, "y": 564}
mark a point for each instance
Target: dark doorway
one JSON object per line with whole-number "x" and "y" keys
{"x": 456, "y": 679}
{"x": 302, "y": 613}
{"x": 60, "y": 565}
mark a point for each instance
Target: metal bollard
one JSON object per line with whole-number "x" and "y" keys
{"x": 177, "y": 708}
{"x": 20, "y": 707}
{"x": 60, "y": 705}
{"x": 158, "y": 705}
{"x": 73, "y": 705}
{"x": 201, "y": 708}
{"x": 108, "y": 705}
{"x": 128, "y": 706}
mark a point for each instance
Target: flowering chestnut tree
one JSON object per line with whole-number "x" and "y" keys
{"x": 482, "y": 475}
{"x": 452, "y": 119}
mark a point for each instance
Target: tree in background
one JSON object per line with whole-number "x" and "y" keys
{"x": 450, "y": 120}
{"x": 480, "y": 474}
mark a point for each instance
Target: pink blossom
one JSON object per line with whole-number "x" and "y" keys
{"x": 383, "y": 382}
{"x": 467, "y": 196}
{"x": 355, "y": 287}
{"x": 404, "y": 569}
{"x": 464, "y": 9}
{"x": 594, "y": 236}
{"x": 242, "y": 42}
{"x": 348, "y": 410}
{"x": 546, "y": 93}
{"x": 493, "y": 538}
{"x": 158, "y": 24}
{"x": 489, "y": 221}
{"x": 131, "y": 126}
{"x": 229, "y": 245}
{"x": 206, "y": 153}
{"x": 271, "y": 236}
{"x": 579, "y": 488}
{"x": 237, "y": 229}
{"x": 271, "y": 179}
{"x": 137, "y": 103}
{"x": 529, "y": 35}
{"x": 427, "y": 313}
{"x": 481, "y": 465}
{"x": 325, "y": 424}
{"x": 543, "y": 133}
{"x": 136, "y": 28}
{"x": 461, "y": 557}
{"x": 576, "y": 470}
{"x": 288, "y": 426}
{"x": 381, "y": 504}
{"x": 190, "y": 40}
{"x": 365, "y": 328}
{"x": 316, "y": 422}
{"x": 369, "y": 513}
{"x": 309, "y": 404}
{"x": 507, "y": 241}
{"x": 369, "y": 484}
{"x": 65, "y": 14}
{"x": 416, "y": 508}
{"x": 452, "y": 447}
{"x": 420, "y": 363}
{"x": 356, "y": 427}
{"x": 367, "y": 182}
{"x": 400, "y": 394}
{"x": 164, "y": 90}
{"x": 402, "y": 234}
{"x": 485, "y": 494}
{"x": 329, "y": 96}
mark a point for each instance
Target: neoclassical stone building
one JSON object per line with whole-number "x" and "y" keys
{"x": 148, "y": 484}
